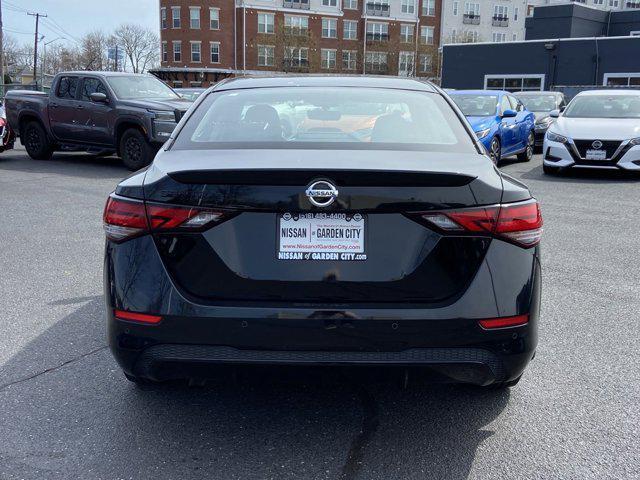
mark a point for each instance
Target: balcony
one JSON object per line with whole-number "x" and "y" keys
{"x": 298, "y": 5}
{"x": 500, "y": 21}
{"x": 471, "y": 19}
{"x": 378, "y": 9}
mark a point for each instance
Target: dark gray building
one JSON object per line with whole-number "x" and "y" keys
{"x": 542, "y": 64}
{"x": 575, "y": 20}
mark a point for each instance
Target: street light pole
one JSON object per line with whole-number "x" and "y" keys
{"x": 44, "y": 56}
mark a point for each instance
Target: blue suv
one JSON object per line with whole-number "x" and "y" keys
{"x": 500, "y": 120}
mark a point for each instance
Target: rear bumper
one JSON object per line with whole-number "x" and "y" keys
{"x": 447, "y": 339}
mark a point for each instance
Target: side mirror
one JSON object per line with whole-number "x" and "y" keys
{"x": 509, "y": 114}
{"x": 554, "y": 113}
{"x": 98, "y": 97}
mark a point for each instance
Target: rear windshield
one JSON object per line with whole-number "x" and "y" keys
{"x": 325, "y": 118}
{"x": 476, "y": 105}
{"x": 539, "y": 103}
{"x": 602, "y": 106}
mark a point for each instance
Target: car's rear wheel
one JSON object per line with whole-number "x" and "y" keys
{"x": 135, "y": 151}
{"x": 36, "y": 142}
{"x": 549, "y": 170}
{"x": 495, "y": 150}
{"x": 527, "y": 155}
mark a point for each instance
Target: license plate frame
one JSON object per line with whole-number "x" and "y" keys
{"x": 343, "y": 236}
{"x": 596, "y": 155}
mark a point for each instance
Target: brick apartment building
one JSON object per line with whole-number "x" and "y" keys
{"x": 204, "y": 41}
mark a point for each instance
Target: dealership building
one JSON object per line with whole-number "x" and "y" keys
{"x": 566, "y": 46}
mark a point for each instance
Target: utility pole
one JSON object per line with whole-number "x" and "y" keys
{"x": 116, "y": 56}
{"x": 35, "y": 45}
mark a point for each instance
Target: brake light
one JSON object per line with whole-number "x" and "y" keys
{"x": 125, "y": 218}
{"x": 504, "y": 322}
{"x": 137, "y": 317}
{"x": 520, "y": 223}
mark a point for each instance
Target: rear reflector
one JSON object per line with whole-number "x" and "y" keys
{"x": 126, "y": 218}
{"x": 137, "y": 317}
{"x": 520, "y": 223}
{"x": 504, "y": 322}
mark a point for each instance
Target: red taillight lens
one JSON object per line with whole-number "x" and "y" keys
{"x": 3, "y": 122}
{"x": 504, "y": 322}
{"x": 137, "y": 317}
{"x": 124, "y": 218}
{"x": 520, "y": 223}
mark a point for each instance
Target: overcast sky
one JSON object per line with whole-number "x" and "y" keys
{"x": 74, "y": 18}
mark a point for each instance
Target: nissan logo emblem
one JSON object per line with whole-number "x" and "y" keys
{"x": 322, "y": 193}
{"x": 597, "y": 144}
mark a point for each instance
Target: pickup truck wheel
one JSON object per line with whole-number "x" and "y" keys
{"x": 36, "y": 142}
{"x": 135, "y": 151}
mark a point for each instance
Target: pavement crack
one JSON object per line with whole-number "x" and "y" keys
{"x": 370, "y": 422}
{"x": 52, "y": 369}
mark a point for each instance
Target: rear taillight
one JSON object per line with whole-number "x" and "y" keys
{"x": 504, "y": 322}
{"x": 519, "y": 223}
{"x": 125, "y": 218}
{"x": 137, "y": 317}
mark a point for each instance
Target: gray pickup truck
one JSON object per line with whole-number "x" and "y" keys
{"x": 131, "y": 115}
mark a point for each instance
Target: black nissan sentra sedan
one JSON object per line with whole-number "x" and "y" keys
{"x": 323, "y": 221}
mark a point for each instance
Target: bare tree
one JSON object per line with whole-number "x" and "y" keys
{"x": 93, "y": 51}
{"x": 141, "y": 46}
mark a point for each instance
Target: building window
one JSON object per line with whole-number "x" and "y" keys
{"x": 196, "y": 56}
{"x": 614, "y": 3}
{"x": 349, "y": 59}
{"x": 514, "y": 37}
{"x": 328, "y": 59}
{"x": 408, "y": 6}
{"x": 515, "y": 14}
{"x": 296, "y": 57}
{"x": 406, "y": 62}
{"x": 175, "y": 17}
{"x": 266, "y": 22}
{"x": 330, "y": 3}
{"x": 406, "y": 33}
{"x": 266, "y": 55}
{"x": 376, "y": 62}
{"x": 299, "y": 4}
{"x": 329, "y": 28}
{"x": 622, "y": 79}
{"x": 500, "y": 12}
{"x": 350, "y": 4}
{"x": 426, "y": 35}
{"x": 215, "y": 52}
{"x": 426, "y": 63}
{"x": 377, "y": 31}
{"x": 514, "y": 83}
{"x": 429, "y": 8}
{"x": 296, "y": 25}
{"x": 177, "y": 84}
{"x": 378, "y": 8}
{"x": 194, "y": 18}
{"x": 499, "y": 37}
{"x": 350, "y": 30}
{"x": 472, "y": 9}
{"x": 165, "y": 52}
{"x": 163, "y": 18}
{"x": 455, "y": 9}
{"x": 214, "y": 18}
{"x": 177, "y": 51}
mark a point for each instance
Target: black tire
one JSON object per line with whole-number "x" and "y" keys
{"x": 136, "y": 152}
{"x": 550, "y": 170}
{"x": 36, "y": 141}
{"x": 495, "y": 150}
{"x": 527, "y": 155}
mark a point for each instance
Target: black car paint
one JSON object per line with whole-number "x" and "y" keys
{"x": 142, "y": 276}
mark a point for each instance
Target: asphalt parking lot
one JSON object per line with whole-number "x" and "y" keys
{"x": 66, "y": 410}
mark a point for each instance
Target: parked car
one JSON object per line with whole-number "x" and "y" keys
{"x": 397, "y": 243}
{"x": 501, "y": 122}
{"x": 190, "y": 93}
{"x": 129, "y": 114}
{"x": 7, "y": 137}
{"x": 542, "y": 104}
{"x": 598, "y": 129}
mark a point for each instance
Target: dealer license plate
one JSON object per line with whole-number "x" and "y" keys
{"x": 596, "y": 155}
{"x": 321, "y": 236}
